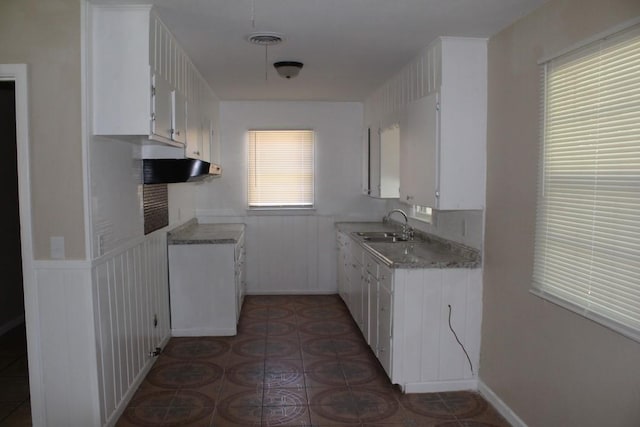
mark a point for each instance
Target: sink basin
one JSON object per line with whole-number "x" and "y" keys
{"x": 381, "y": 236}
{"x": 383, "y": 239}
{"x": 376, "y": 234}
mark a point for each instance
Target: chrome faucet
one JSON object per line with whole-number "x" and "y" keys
{"x": 407, "y": 231}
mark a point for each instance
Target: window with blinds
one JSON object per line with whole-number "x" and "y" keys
{"x": 587, "y": 242}
{"x": 281, "y": 169}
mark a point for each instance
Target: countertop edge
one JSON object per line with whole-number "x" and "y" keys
{"x": 194, "y": 233}
{"x": 456, "y": 248}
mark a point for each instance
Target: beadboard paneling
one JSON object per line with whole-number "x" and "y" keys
{"x": 67, "y": 343}
{"x": 417, "y": 79}
{"x": 130, "y": 290}
{"x": 422, "y": 297}
{"x": 287, "y": 254}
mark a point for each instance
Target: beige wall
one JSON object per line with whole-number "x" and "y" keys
{"x": 46, "y": 36}
{"x": 551, "y": 366}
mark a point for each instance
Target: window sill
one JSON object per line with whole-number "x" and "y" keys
{"x": 280, "y": 211}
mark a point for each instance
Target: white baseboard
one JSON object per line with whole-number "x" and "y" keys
{"x": 11, "y": 324}
{"x": 500, "y": 406}
{"x": 294, "y": 292}
{"x": 436, "y": 386}
{"x": 204, "y": 332}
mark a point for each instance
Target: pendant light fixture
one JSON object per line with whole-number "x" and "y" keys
{"x": 288, "y": 69}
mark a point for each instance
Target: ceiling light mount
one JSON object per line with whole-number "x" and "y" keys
{"x": 265, "y": 38}
{"x": 288, "y": 69}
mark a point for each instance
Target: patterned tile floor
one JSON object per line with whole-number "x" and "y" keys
{"x": 296, "y": 361}
{"x": 15, "y": 408}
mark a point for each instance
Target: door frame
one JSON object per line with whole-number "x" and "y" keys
{"x": 19, "y": 74}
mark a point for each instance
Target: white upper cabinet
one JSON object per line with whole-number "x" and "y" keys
{"x": 440, "y": 102}
{"x": 382, "y": 162}
{"x": 419, "y": 154}
{"x": 144, "y": 85}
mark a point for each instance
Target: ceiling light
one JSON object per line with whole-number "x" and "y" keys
{"x": 288, "y": 69}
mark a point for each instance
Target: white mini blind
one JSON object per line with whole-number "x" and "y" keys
{"x": 587, "y": 244}
{"x": 281, "y": 168}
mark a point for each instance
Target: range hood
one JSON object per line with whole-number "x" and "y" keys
{"x": 168, "y": 171}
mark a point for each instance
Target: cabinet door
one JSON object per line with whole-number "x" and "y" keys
{"x": 419, "y": 153}
{"x": 179, "y": 117}
{"x": 374, "y": 161}
{"x": 161, "y": 108}
{"x": 194, "y": 128}
{"x": 390, "y": 162}
{"x": 355, "y": 279}
{"x": 385, "y": 325}
{"x": 373, "y": 315}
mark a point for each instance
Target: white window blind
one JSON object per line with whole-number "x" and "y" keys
{"x": 587, "y": 244}
{"x": 281, "y": 168}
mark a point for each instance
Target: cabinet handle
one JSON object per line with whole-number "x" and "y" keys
{"x": 178, "y": 133}
{"x": 409, "y": 197}
{"x": 437, "y": 194}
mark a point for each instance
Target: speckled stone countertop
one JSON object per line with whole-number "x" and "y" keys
{"x": 426, "y": 251}
{"x": 192, "y": 233}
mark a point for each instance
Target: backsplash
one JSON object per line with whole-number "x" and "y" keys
{"x": 156, "y": 207}
{"x": 464, "y": 227}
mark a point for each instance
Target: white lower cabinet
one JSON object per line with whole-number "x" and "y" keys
{"x": 207, "y": 287}
{"x": 404, "y": 315}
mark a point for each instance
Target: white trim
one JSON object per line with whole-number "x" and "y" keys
{"x": 16, "y": 321}
{"x": 437, "y": 386}
{"x": 19, "y": 74}
{"x": 604, "y": 34}
{"x": 500, "y": 406}
{"x": 61, "y": 265}
{"x": 86, "y": 113}
{"x": 294, "y": 292}
{"x": 204, "y": 332}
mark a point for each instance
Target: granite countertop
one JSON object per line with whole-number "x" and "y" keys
{"x": 193, "y": 233}
{"x": 426, "y": 251}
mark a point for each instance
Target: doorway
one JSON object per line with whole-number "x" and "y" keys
{"x": 14, "y": 375}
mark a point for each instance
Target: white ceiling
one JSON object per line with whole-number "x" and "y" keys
{"x": 348, "y": 47}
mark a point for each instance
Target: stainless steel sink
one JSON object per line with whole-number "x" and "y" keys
{"x": 381, "y": 236}
{"x": 384, "y": 239}
{"x": 376, "y": 234}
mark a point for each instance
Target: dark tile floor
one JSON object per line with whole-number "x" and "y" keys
{"x": 15, "y": 409}
{"x": 296, "y": 361}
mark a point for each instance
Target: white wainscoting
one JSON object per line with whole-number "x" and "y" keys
{"x": 287, "y": 254}
{"x": 96, "y": 330}
{"x": 131, "y": 293}
{"x": 67, "y": 347}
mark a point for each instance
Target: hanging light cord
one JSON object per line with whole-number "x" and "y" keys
{"x": 462, "y": 346}
{"x": 266, "y": 61}
{"x": 253, "y": 14}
